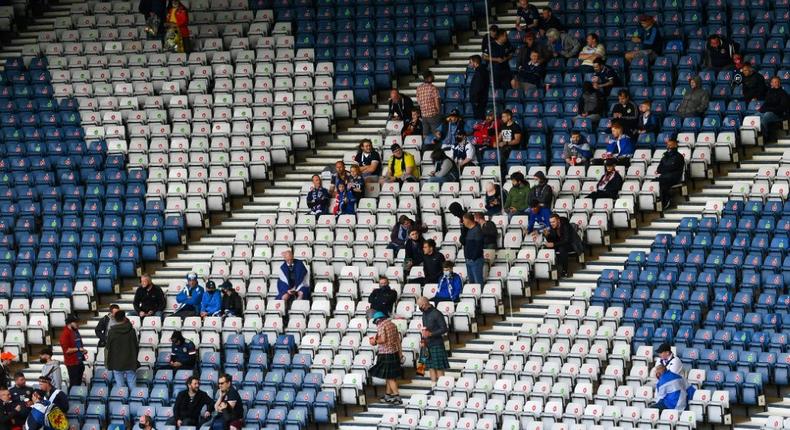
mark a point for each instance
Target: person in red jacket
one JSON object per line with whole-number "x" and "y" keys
{"x": 74, "y": 352}
{"x": 178, "y": 15}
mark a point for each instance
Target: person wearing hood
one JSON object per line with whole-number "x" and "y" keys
{"x": 753, "y": 84}
{"x": 211, "y": 303}
{"x": 695, "y": 101}
{"x": 670, "y": 172}
{"x": 541, "y": 192}
{"x": 718, "y": 53}
{"x": 672, "y": 390}
{"x": 458, "y": 211}
{"x": 105, "y": 324}
{"x": 232, "y": 305}
{"x": 776, "y": 106}
{"x": 562, "y": 44}
{"x": 450, "y": 285}
{"x": 51, "y": 367}
{"x": 577, "y": 149}
{"x": 517, "y": 200}
{"x": 383, "y": 298}
{"x": 478, "y": 87}
{"x": 190, "y": 297}
{"x": 121, "y": 351}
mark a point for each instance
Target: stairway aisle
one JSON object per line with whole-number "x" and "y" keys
{"x": 46, "y": 22}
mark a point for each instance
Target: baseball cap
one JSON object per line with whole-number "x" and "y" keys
{"x": 378, "y": 315}
{"x": 72, "y": 318}
{"x": 7, "y": 356}
{"x": 191, "y": 276}
{"x": 226, "y": 285}
{"x": 455, "y": 112}
{"x": 394, "y": 147}
{"x": 210, "y": 285}
{"x": 664, "y": 347}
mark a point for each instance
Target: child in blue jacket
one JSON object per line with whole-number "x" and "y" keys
{"x": 450, "y": 285}
{"x": 211, "y": 303}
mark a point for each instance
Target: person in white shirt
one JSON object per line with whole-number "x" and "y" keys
{"x": 669, "y": 360}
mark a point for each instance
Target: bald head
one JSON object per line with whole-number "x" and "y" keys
{"x": 422, "y": 302}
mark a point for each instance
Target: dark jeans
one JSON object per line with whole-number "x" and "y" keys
{"x": 665, "y": 184}
{"x": 75, "y": 374}
{"x": 186, "y": 311}
{"x": 561, "y": 253}
{"x": 186, "y": 421}
{"x": 595, "y": 195}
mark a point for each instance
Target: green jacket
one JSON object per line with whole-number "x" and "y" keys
{"x": 518, "y": 197}
{"x": 120, "y": 353}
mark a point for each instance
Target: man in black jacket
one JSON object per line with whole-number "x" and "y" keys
{"x": 473, "y": 250}
{"x": 149, "y": 299}
{"x": 560, "y": 238}
{"x": 434, "y": 327}
{"x": 432, "y": 261}
{"x": 104, "y": 324}
{"x": 400, "y": 107}
{"x": 625, "y": 110}
{"x": 383, "y": 298}
{"x": 541, "y": 192}
{"x": 10, "y": 411}
{"x": 490, "y": 231}
{"x": 231, "y": 301}
{"x": 478, "y": 88}
{"x": 753, "y": 84}
{"x": 189, "y": 402}
{"x": 21, "y": 393}
{"x": 670, "y": 172}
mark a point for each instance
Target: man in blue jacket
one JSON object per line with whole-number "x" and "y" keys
{"x": 293, "y": 282}
{"x": 672, "y": 391}
{"x": 450, "y": 285}
{"x": 190, "y": 297}
{"x": 211, "y": 303}
{"x": 538, "y": 218}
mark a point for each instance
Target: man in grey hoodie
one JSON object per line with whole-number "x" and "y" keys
{"x": 695, "y": 101}
{"x": 51, "y": 368}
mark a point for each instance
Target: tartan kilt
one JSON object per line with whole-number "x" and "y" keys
{"x": 437, "y": 358}
{"x": 387, "y": 367}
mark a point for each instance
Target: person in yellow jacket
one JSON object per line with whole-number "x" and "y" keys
{"x": 401, "y": 167}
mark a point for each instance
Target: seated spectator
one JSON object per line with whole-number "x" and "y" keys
{"x": 737, "y": 67}
{"x": 211, "y": 304}
{"x": 413, "y": 127}
{"x": 464, "y": 150}
{"x": 620, "y": 149}
{"x": 449, "y": 130}
{"x": 413, "y": 247}
{"x": 648, "y": 39}
{"x": 695, "y": 101}
{"x": 149, "y": 299}
{"x": 444, "y": 168}
{"x": 592, "y": 103}
{"x": 548, "y": 21}
{"x": 401, "y": 167}
{"x": 232, "y": 305}
{"x": 183, "y": 354}
{"x": 531, "y": 74}
{"x": 317, "y": 197}
{"x": 776, "y": 106}
{"x": 486, "y": 132}
{"x": 293, "y": 282}
{"x": 189, "y": 405}
{"x": 753, "y": 84}
{"x": 531, "y": 44}
{"x": 478, "y": 87}
{"x": 609, "y": 185}
{"x": 400, "y": 232}
{"x": 541, "y": 192}
{"x": 450, "y": 285}
{"x": 672, "y": 390}
{"x": 647, "y": 121}
{"x": 718, "y": 53}
{"x": 590, "y": 52}
{"x": 576, "y": 150}
{"x": 604, "y": 77}
{"x": 432, "y": 263}
{"x": 356, "y": 183}
{"x": 562, "y": 45}
{"x": 400, "y": 107}
{"x": 563, "y": 239}
{"x": 383, "y": 298}
{"x": 368, "y": 159}
{"x": 538, "y": 218}
{"x": 527, "y": 16}
{"x": 340, "y": 175}
{"x": 670, "y": 172}
{"x": 517, "y": 198}
{"x": 345, "y": 203}
{"x": 190, "y": 297}
{"x": 499, "y": 57}
{"x": 490, "y": 231}
{"x": 625, "y": 111}
{"x": 493, "y": 199}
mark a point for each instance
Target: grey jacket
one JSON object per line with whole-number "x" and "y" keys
{"x": 52, "y": 369}
{"x": 695, "y": 102}
{"x": 570, "y": 47}
{"x": 433, "y": 320}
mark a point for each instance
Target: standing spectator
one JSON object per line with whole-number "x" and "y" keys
{"x": 604, "y": 77}
{"x": 183, "y": 354}
{"x": 527, "y": 16}
{"x": 541, "y": 192}
{"x": 414, "y": 127}
{"x": 430, "y": 105}
{"x": 672, "y": 390}
{"x": 486, "y": 132}
{"x": 434, "y": 327}
{"x": 178, "y": 15}
{"x": 562, "y": 44}
{"x": 401, "y": 167}
{"x": 592, "y": 103}
{"x": 383, "y": 298}
{"x": 190, "y": 297}
{"x": 5, "y": 361}
{"x": 510, "y": 137}
{"x": 473, "y": 250}
{"x": 560, "y": 238}
{"x": 400, "y": 107}
{"x": 74, "y": 353}
{"x": 149, "y": 299}
{"x": 11, "y": 412}
{"x": 432, "y": 263}
{"x": 591, "y": 51}
{"x": 625, "y": 111}
{"x": 51, "y": 367}
{"x": 464, "y": 150}
{"x": 489, "y": 41}
{"x": 21, "y": 393}
{"x": 548, "y": 21}
{"x": 647, "y": 38}
{"x": 293, "y": 282}
{"x": 341, "y": 175}
{"x": 47, "y": 408}
{"x": 400, "y": 232}
{"x": 490, "y": 231}
{"x": 121, "y": 352}
{"x": 670, "y": 172}
{"x": 211, "y": 303}
{"x": 776, "y": 106}
{"x": 444, "y": 168}
{"x": 51, "y": 394}
{"x": 413, "y": 247}
{"x": 449, "y": 130}
{"x": 718, "y": 53}
{"x": 345, "y": 203}
{"x": 450, "y": 285}
{"x": 499, "y": 57}
{"x": 189, "y": 403}
{"x": 478, "y": 87}
{"x": 317, "y": 197}
{"x": 695, "y": 101}
{"x": 609, "y": 185}
{"x": 356, "y": 184}
{"x": 576, "y": 150}
{"x": 538, "y": 218}
{"x": 232, "y": 305}
{"x": 158, "y": 9}
{"x": 518, "y": 197}
{"x": 493, "y": 199}
{"x": 620, "y": 147}
{"x": 105, "y": 324}
{"x": 531, "y": 74}
{"x": 753, "y": 84}
{"x": 229, "y": 406}
{"x": 647, "y": 122}
{"x": 388, "y": 357}
{"x": 368, "y": 159}
{"x": 669, "y": 360}
{"x": 458, "y": 211}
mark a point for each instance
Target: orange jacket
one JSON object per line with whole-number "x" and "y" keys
{"x": 180, "y": 17}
